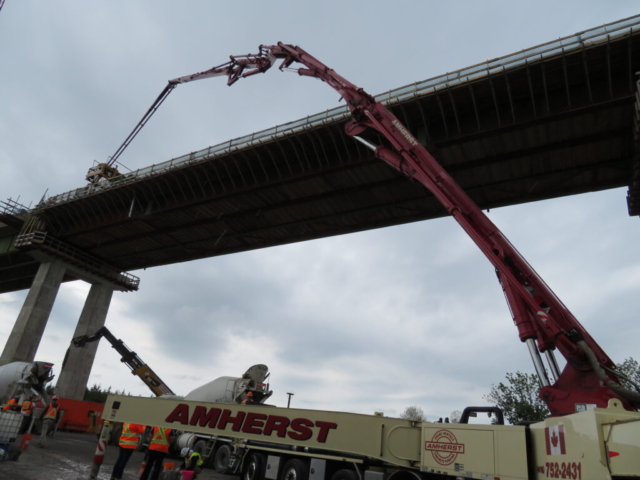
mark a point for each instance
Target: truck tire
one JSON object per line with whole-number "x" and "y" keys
{"x": 253, "y": 467}
{"x": 201, "y": 447}
{"x": 222, "y": 459}
{"x": 295, "y": 469}
{"x": 345, "y": 474}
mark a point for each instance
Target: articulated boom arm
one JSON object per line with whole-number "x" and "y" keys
{"x": 543, "y": 321}
{"x": 129, "y": 358}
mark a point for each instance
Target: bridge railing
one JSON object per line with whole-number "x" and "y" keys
{"x": 561, "y": 46}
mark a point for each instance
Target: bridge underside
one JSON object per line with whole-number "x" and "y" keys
{"x": 548, "y": 127}
{"x": 17, "y": 268}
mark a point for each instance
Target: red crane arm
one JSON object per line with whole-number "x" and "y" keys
{"x": 543, "y": 321}
{"x": 538, "y": 312}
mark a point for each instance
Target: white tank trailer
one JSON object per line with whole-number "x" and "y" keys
{"x": 223, "y": 390}
{"x": 234, "y": 389}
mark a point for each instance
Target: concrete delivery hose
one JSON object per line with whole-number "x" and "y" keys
{"x": 602, "y": 375}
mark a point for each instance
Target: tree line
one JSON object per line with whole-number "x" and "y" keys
{"x": 518, "y": 396}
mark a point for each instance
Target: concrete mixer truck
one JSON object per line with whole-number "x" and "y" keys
{"x": 214, "y": 448}
{"x": 24, "y": 379}
{"x": 21, "y": 379}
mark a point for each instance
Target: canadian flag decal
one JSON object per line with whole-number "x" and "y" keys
{"x": 554, "y": 437}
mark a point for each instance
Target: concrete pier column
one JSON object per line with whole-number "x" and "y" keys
{"x": 32, "y": 319}
{"x": 79, "y": 361}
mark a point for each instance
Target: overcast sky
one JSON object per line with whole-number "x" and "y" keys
{"x": 374, "y": 321}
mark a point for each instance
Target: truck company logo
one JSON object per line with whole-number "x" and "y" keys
{"x": 405, "y": 133}
{"x": 252, "y": 423}
{"x": 444, "y": 447}
{"x": 554, "y": 438}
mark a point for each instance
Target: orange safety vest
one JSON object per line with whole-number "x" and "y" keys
{"x": 27, "y": 408}
{"x": 131, "y": 433}
{"x": 10, "y": 404}
{"x": 51, "y": 412}
{"x": 160, "y": 439}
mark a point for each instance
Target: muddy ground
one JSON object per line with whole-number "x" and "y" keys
{"x": 69, "y": 456}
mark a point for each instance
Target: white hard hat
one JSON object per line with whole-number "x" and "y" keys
{"x": 184, "y": 452}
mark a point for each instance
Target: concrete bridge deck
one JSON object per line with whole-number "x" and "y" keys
{"x": 554, "y": 120}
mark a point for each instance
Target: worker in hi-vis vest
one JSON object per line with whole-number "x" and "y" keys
{"x": 192, "y": 461}
{"x": 12, "y": 404}
{"x": 27, "y": 412}
{"x": 49, "y": 420}
{"x": 158, "y": 449}
{"x": 129, "y": 439}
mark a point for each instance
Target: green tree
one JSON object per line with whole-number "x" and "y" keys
{"x": 518, "y": 398}
{"x": 97, "y": 394}
{"x": 413, "y": 413}
{"x": 629, "y": 373}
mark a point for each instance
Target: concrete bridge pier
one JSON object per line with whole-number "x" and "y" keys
{"x": 24, "y": 340}
{"x": 78, "y": 362}
{"x": 25, "y": 337}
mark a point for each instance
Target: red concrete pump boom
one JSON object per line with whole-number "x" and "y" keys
{"x": 544, "y": 323}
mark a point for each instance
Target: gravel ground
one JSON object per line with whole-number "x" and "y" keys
{"x": 69, "y": 456}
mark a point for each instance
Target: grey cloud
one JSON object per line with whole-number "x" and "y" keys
{"x": 367, "y": 322}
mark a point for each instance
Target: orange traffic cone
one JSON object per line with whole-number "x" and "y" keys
{"x": 26, "y": 440}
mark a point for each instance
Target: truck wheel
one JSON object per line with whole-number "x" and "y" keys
{"x": 295, "y": 469}
{"x": 222, "y": 459}
{"x": 345, "y": 474}
{"x": 201, "y": 448}
{"x": 253, "y": 467}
